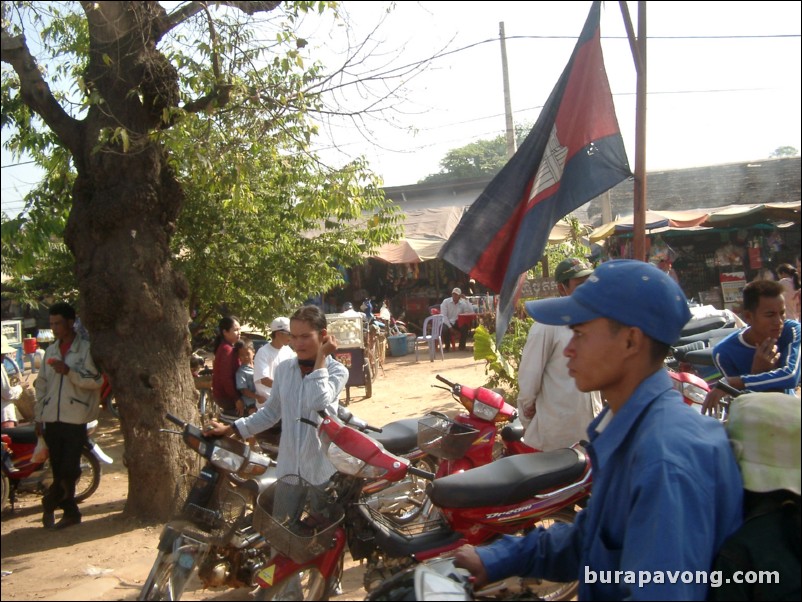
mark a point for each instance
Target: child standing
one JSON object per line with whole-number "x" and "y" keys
{"x": 244, "y": 378}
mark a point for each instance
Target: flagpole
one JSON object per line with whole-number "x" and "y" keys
{"x": 638, "y": 46}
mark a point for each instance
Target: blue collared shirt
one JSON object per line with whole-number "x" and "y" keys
{"x": 666, "y": 494}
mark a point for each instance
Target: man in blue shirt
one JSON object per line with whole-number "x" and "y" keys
{"x": 666, "y": 487}
{"x": 764, "y": 356}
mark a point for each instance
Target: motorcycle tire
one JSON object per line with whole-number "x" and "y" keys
{"x": 306, "y": 584}
{"x": 111, "y": 404}
{"x": 167, "y": 579}
{"x": 5, "y": 492}
{"x": 89, "y": 480}
{"x": 368, "y": 380}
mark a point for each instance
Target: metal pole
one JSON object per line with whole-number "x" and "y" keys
{"x": 639, "y": 233}
{"x": 511, "y": 144}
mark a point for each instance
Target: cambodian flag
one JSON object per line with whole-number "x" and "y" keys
{"x": 573, "y": 154}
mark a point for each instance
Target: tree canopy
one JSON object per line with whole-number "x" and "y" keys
{"x": 265, "y": 224}
{"x": 180, "y": 174}
{"x": 480, "y": 158}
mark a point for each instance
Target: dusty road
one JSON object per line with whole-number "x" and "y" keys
{"x": 108, "y": 556}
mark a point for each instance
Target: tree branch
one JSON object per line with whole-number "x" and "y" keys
{"x": 192, "y": 8}
{"x": 36, "y": 93}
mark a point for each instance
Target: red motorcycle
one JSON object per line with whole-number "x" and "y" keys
{"x": 22, "y": 474}
{"x": 469, "y": 439}
{"x": 308, "y": 527}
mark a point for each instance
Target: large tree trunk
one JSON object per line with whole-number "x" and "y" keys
{"x": 133, "y": 304}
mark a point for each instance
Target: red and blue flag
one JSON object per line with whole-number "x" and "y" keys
{"x": 573, "y": 154}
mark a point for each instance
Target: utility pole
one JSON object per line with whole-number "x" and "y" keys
{"x": 511, "y": 144}
{"x": 638, "y": 46}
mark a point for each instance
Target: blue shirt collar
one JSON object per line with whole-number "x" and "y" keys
{"x": 607, "y": 433}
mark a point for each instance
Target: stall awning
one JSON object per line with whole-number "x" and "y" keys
{"x": 727, "y": 216}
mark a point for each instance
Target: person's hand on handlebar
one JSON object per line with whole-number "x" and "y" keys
{"x": 711, "y": 405}
{"x": 216, "y": 429}
{"x": 467, "y": 558}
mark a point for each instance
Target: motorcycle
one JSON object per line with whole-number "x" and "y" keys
{"x": 22, "y": 475}
{"x": 211, "y": 530}
{"x": 473, "y": 436}
{"x": 309, "y": 534}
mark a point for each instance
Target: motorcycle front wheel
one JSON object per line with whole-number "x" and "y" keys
{"x": 5, "y": 492}
{"x": 307, "y": 584}
{"x": 89, "y": 480}
{"x": 90, "y": 476}
{"x": 167, "y": 579}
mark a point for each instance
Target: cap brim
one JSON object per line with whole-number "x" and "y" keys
{"x": 563, "y": 311}
{"x": 762, "y": 478}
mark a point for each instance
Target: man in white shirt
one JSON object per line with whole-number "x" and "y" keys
{"x": 555, "y": 413}
{"x": 269, "y": 356}
{"x": 450, "y": 309}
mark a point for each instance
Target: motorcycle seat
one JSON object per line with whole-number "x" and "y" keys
{"x": 707, "y": 336}
{"x": 701, "y": 357}
{"x": 695, "y": 326}
{"x": 509, "y": 480}
{"x": 21, "y": 434}
{"x": 399, "y": 437}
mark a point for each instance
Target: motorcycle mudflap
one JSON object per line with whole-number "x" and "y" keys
{"x": 168, "y": 536}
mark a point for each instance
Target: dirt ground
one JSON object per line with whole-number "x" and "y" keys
{"x": 108, "y": 556}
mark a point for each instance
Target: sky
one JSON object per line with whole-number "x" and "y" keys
{"x": 723, "y": 80}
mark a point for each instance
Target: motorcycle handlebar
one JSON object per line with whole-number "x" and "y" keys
{"x": 348, "y": 418}
{"x": 175, "y": 420}
{"x": 419, "y": 472}
{"x": 727, "y": 388}
{"x": 445, "y": 380}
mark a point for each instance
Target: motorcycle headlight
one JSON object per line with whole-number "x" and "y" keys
{"x": 348, "y": 464}
{"x": 432, "y": 584}
{"x": 226, "y": 460}
{"x": 693, "y": 393}
{"x": 484, "y": 411}
{"x": 257, "y": 465}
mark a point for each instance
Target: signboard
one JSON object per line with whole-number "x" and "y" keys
{"x": 539, "y": 288}
{"x": 732, "y": 286}
{"x": 12, "y": 329}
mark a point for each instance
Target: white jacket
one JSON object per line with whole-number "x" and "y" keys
{"x": 74, "y": 397}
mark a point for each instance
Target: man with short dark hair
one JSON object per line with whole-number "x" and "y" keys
{"x": 67, "y": 398}
{"x": 555, "y": 413}
{"x": 764, "y": 356}
{"x": 666, "y": 487}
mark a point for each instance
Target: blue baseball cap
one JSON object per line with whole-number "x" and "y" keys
{"x": 631, "y": 292}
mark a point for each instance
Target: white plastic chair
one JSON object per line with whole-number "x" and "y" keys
{"x": 432, "y": 328}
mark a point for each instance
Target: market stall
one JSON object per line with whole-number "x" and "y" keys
{"x": 714, "y": 252}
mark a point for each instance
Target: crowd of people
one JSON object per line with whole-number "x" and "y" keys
{"x": 673, "y": 489}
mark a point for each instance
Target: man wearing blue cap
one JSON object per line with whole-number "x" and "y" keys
{"x": 666, "y": 487}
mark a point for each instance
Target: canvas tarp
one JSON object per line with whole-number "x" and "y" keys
{"x": 727, "y": 216}
{"x": 427, "y": 230}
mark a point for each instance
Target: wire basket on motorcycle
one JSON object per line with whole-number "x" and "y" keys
{"x": 296, "y": 518}
{"x": 214, "y": 509}
{"x": 443, "y": 438}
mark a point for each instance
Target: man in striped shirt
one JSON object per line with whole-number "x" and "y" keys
{"x": 764, "y": 356}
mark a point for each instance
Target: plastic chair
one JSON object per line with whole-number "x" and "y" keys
{"x": 432, "y": 328}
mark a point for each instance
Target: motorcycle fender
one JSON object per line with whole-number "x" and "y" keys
{"x": 99, "y": 453}
{"x": 280, "y": 567}
{"x": 169, "y": 534}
